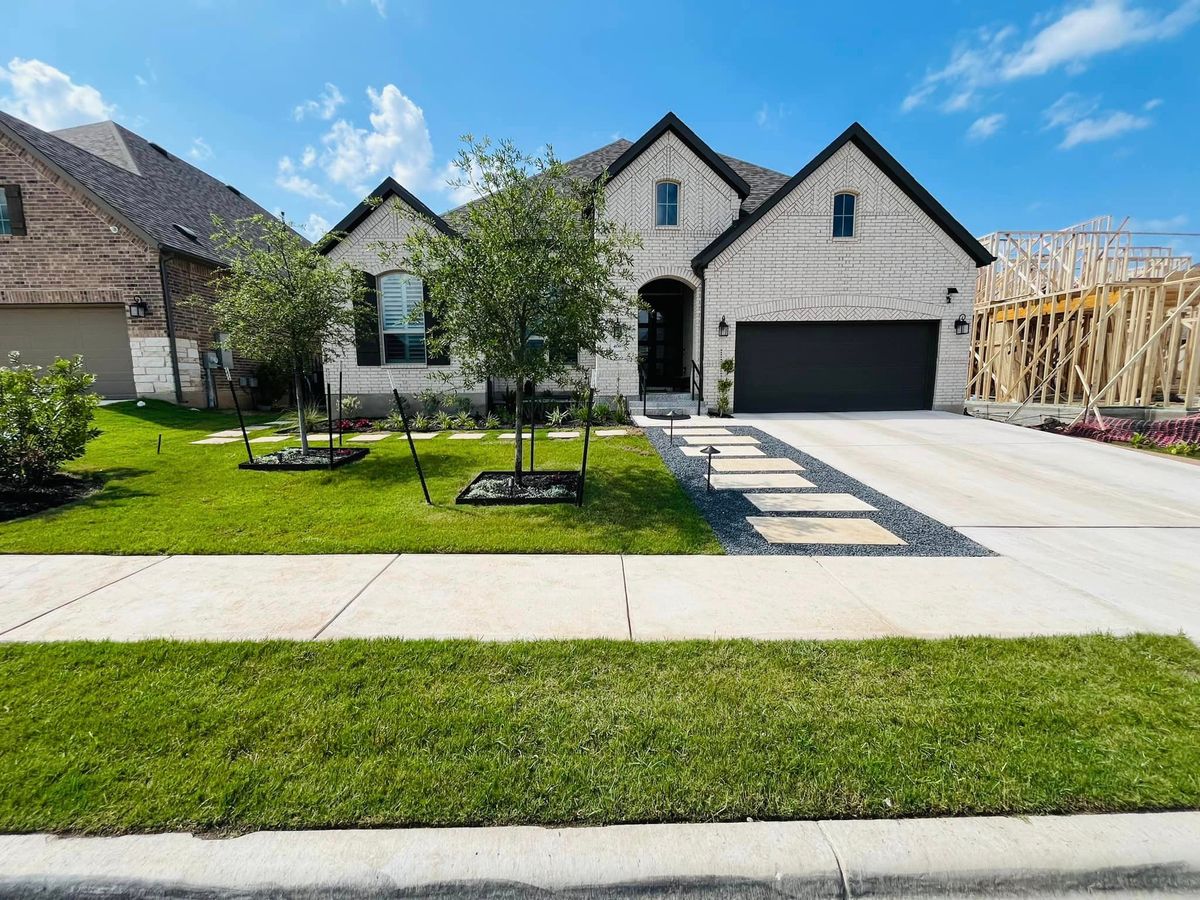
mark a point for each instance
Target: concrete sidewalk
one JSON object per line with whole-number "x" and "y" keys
{"x": 509, "y": 597}
{"x": 1123, "y": 855}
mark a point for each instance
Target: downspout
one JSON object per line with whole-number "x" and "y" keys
{"x": 166, "y": 292}
{"x": 702, "y": 272}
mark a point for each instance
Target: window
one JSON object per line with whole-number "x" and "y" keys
{"x": 5, "y": 221}
{"x": 666, "y": 202}
{"x": 843, "y": 215}
{"x": 12, "y": 210}
{"x": 400, "y": 319}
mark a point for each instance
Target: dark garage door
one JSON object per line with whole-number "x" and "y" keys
{"x": 97, "y": 333}
{"x": 834, "y": 366}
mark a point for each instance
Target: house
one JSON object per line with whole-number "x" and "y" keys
{"x": 836, "y": 288}
{"x": 104, "y": 241}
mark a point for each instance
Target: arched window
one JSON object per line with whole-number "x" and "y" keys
{"x": 401, "y": 321}
{"x": 666, "y": 203}
{"x": 843, "y": 215}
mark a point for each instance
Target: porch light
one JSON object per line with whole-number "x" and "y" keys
{"x": 961, "y": 325}
{"x": 138, "y": 309}
{"x": 950, "y": 292}
{"x": 723, "y": 328}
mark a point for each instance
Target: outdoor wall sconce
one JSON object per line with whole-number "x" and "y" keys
{"x": 138, "y": 309}
{"x": 961, "y": 325}
{"x": 950, "y": 292}
{"x": 723, "y": 328}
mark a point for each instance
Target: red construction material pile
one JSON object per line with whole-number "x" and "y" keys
{"x": 1161, "y": 433}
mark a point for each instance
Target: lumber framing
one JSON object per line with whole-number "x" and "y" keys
{"x": 1089, "y": 316}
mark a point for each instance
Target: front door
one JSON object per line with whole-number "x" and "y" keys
{"x": 660, "y": 336}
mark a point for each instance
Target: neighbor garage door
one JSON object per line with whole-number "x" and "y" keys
{"x": 97, "y": 333}
{"x": 834, "y": 366}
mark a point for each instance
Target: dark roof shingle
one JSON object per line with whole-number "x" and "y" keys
{"x": 154, "y": 191}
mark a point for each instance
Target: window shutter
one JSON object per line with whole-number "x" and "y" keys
{"x": 16, "y": 209}
{"x": 366, "y": 328}
{"x": 431, "y": 324}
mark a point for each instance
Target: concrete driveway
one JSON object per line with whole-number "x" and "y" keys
{"x": 1121, "y": 526}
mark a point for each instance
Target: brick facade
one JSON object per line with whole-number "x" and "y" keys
{"x": 76, "y": 254}
{"x": 786, "y": 267}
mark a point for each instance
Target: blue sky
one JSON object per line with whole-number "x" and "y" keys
{"x": 1014, "y": 115}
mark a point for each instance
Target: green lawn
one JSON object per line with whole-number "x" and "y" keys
{"x": 194, "y": 499}
{"x": 150, "y": 736}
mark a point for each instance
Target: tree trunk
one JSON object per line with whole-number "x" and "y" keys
{"x": 299, "y": 381}
{"x": 519, "y": 418}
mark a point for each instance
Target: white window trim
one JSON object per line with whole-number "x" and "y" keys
{"x": 855, "y": 219}
{"x": 379, "y": 319}
{"x": 678, "y": 203}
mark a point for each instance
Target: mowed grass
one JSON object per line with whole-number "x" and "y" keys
{"x": 194, "y": 499}
{"x": 110, "y": 738}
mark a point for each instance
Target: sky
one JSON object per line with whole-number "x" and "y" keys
{"x": 1014, "y": 115}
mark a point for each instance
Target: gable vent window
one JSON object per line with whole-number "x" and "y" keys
{"x": 400, "y": 319}
{"x": 666, "y": 203}
{"x": 186, "y": 232}
{"x": 12, "y": 210}
{"x": 843, "y": 215}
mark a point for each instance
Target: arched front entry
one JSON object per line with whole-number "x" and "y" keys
{"x": 665, "y": 333}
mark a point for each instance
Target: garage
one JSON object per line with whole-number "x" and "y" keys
{"x": 97, "y": 333}
{"x": 835, "y": 366}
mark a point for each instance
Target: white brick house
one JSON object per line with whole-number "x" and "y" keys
{"x": 835, "y": 289}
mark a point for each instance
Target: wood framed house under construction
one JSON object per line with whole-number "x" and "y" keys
{"x": 1088, "y": 317}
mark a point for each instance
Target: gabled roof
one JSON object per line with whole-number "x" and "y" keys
{"x": 671, "y": 122}
{"x": 899, "y": 176}
{"x": 149, "y": 189}
{"x": 387, "y": 189}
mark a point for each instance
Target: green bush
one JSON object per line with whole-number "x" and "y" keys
{"x": 45, "y": 418}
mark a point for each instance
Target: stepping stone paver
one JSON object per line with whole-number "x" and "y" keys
{"x": 368, "y": 438}
{"x": 702, "y": 431}
{"x": 765, "y": 464}
{"x": 424, "y": 435}
{"x": 750, "y": 480}
{"x": 508, "y": 436}
{"x": 466, "y": 436}
{"x": 726, "y": 451}
{"x": 732, "y": 439}
{"x": 217, "y": 440}
{"x": 611, "y": 432}
{"x": 562, "y": 435}
{"x": 811, "y": 530}
{"x": 270, "y": 439}
{"x": 809, "y": 503}
{"x": 236, "y": 432}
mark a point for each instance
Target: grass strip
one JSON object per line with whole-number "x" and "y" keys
{"x": 111, "y": 738}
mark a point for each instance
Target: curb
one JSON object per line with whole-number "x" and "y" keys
{"x": 1043, "y": 856}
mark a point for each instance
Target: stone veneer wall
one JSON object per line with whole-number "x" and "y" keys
{"x": 788, "y": 267}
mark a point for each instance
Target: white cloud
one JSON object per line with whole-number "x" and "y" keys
{"x": 323, "y": 107}
{"x": 1100, "y": 27}
{"x": 992, "y": 57}
{"x": 985, "y": 126}
{"x": 308, "y": 157}
{"x": 314, "y": 227}
{"x": 396, "y": 144}
{"x": 290, "y": 180}
{"x": 1102, "y": 128}
{"x": 1082, "y": 120}
{"x": 1170, "y": 224}
{"x": 1152, "y": 104}
{"x": 380, "y": 7}
{"x": 769, "y": 116}
{"x": 47, "y": 97}
{"x": 200, "y": 150}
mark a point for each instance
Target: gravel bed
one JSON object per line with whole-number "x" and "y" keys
{"x": 726, "y": 510}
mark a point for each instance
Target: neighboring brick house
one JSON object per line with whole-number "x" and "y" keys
{"x": 104, "y": 240}
{"x": 837, "y": 288}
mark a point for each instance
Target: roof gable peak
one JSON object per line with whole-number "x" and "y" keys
{"x": 672, "y": 123}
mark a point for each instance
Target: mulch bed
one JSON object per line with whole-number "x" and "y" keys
{"x": 293, "y": 459}
{"x": 500, "y": 488}
{"x": 62, "y": 489}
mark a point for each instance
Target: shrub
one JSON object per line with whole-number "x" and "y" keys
{"x": 557, "y": 417}
{"x": 491, "y": 422}
{"x": 394, "y": 423}
{"x": 45, "y": 418}
{"x": 601, "y": 413}
{"x": 724, "y": 404}
{"x": 1184, "y": 448}
{"x": 620, "y": 410}
{"x": 351, "y": 406}
{"x": 443, "y": 421}
{"x": 430, "y": 400}
{"x": 463, "y": 422}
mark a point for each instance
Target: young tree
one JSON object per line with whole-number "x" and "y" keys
{"x": 532, "y": 277}
{"x": 281, "y": 301}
